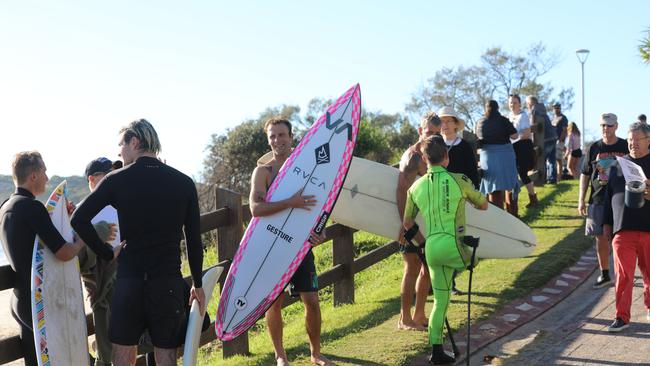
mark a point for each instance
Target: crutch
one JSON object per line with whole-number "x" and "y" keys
{"x": 472, "y": 242}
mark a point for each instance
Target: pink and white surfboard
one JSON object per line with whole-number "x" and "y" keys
{"x": 273, "y": 246}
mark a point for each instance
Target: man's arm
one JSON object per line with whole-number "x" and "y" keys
{"x": 257, "y": 199}
{"x": 410, "y": 212}
{"x": 81, "y": 220}
{"x": 476, "y": 198}
{"x": 408, "y": 172}
{"x": 50, "y": 236}
{"x": 193, "y": 243}
{"x": 584, "y": 181}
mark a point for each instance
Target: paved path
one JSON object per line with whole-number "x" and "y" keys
{"x": 574, "y": 332}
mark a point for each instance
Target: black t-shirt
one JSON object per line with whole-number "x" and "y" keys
{"x": 156, "y": 205}
{"x": 495, "y": 130}
{"x": 560, "y": 122}
{"x": 462, "y": 160}
{"x": 616, "y": 213}
{"x": 597, "y": 165}
{"x": 22, "y": 217}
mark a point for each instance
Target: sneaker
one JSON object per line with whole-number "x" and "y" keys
{"x": 602, "y": 281}
{"x": 617, "y": 326}
{"x": 455, "y": 291}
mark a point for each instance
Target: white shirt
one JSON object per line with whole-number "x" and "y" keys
{"x": 520, "y": 121}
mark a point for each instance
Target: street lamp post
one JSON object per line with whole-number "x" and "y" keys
{"x": 582, "y": 55}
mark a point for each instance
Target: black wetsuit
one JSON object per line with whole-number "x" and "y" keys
{"x": 22, "y": 217}
{"x": 156, "y": 205}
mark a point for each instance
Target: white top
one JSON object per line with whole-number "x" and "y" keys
{"x": 520, "y": 121}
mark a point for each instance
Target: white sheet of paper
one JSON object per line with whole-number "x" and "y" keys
{"x": 631, "y": 171}
{"x": 109, "y": 214}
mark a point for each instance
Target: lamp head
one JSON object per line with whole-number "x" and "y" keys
{"x": 582, "y": 55}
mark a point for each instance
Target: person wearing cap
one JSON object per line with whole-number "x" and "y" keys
{"x": 497, "y": 157}
{"x": 22, "y": 217}
{"x": 595, "y": 173}
{"x": 524, "y": 153}
{"x": 158, "y": 206}
{"x": 560, "y": 122}
{"x": 416, "y": 275}
{"x": 630, "y": 226}
{"x": 98, "y": 275}
{"x": 440, "y": 196}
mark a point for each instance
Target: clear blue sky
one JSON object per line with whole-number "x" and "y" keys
{"x": 72, "y": 73}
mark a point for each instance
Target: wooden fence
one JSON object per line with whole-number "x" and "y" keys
{"x": 229, "y": 220}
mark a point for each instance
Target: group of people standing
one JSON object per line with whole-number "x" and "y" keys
{"x": 158, "y": 206}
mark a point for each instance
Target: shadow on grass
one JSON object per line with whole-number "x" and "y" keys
{"x": 534, "y": 213}
{"x": 387, "y": 310}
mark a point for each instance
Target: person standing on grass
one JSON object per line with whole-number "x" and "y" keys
{"x": 416, "y": 275}
{"x": 524, "y": 150}
{"x": 595, "y": 173}
{"x": 573, "y": 151}
{"x": 22, "y": 217}
{"x": 497, "y": 157}
{"x": 304, "y": 282}
{"x": 439, "y": 196}
{"x": 630, "y": 227}
{"x": 560, "y": 122}
{"x": 157, "y": 206}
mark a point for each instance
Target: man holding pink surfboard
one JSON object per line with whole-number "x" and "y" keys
{"x": 305, "y": 280}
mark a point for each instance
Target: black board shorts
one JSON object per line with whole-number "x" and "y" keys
{"x": 577, "y": 153}
{"x": 305, "y": 279}
{"x": 155, "y": 304}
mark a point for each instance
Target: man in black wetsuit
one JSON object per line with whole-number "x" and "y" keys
{"x": 22, "y": 217}
{"x": 157, "y": 206}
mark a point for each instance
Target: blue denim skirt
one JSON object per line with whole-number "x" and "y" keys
{"x": 499, "y": 168}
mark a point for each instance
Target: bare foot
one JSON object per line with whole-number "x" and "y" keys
{"x": 423, "y": 321}
{"x": 410, "y": 326}
{"x": 321, "y": 360}
{"x": 282, "y": 362}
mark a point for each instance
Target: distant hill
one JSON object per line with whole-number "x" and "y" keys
{"x": 77, "y": 187}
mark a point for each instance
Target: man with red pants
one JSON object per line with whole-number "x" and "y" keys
{"x": 630, "y": 226}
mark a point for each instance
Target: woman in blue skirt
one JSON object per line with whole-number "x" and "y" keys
{"x": 497, "y": 157}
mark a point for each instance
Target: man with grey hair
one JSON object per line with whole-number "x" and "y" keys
{"x": 157, "y": 207}
{"x": 627, "y": 218}
{"x": 22, "y": 217}
{"x": 416, "y": 275}
{"x": 595, "y": 169}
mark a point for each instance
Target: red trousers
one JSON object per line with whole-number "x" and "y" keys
{"x": 628, "y": 247}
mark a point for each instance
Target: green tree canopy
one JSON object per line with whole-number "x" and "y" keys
{"x": 498, "y": 74}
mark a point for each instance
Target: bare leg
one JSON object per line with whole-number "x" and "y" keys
{"x": 165, "y": 356}
{"x": 530, "y": 188}
{"x": 123, "y": 355}
{"x": 422, "y": 287}
{"x": 602, "y": 246}
{"x": 412, "y": 267}
{"x": 313, "y": 325}
{"x": 274, "y": 323}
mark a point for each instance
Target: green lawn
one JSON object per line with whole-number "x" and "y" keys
{"x": 365, "y": 333}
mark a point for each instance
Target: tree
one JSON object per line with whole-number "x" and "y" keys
{"x": 644, "y": 47}
{"x": 498, "y": 74}
{"x": 232, "y": 156}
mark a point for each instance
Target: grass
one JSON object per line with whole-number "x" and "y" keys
{"x": 364, "y": 333}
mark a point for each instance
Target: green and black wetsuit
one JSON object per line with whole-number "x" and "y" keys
{"x": 440, "y": 198}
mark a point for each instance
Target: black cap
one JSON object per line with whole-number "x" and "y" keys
{"x": 557, "y": 105}
{"x": 100, "y": 165}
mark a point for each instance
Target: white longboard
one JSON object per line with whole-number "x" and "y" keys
{"x": 108, "y": 214}
{"x": 368, "y": 202}
{"x": 58, "y": 316}
{"x": 195, "y": 321}
{"x": 274, "y": 246}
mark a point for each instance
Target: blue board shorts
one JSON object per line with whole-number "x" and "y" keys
{"x": 305, "y": 279}
{"x": 595, "y": 218}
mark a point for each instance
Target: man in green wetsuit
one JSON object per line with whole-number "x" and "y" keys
{"x": 440, "y": 198}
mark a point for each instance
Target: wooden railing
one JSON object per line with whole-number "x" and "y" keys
{"x": 229, "y": 221}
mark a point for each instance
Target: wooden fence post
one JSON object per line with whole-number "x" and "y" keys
{"x": 228, "y": 239}
{"x": 343, "y": 253}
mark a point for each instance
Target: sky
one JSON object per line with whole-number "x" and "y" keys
{"x": 73, "y": 72}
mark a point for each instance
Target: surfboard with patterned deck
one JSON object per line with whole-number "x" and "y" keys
{"x": 273, "y": 246}
{"x": 58, "y": 315}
